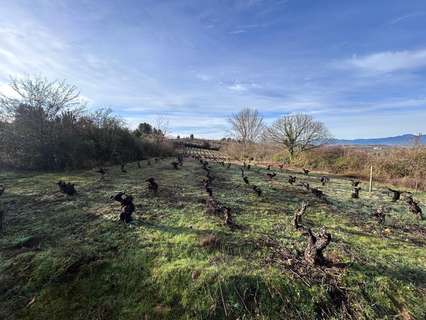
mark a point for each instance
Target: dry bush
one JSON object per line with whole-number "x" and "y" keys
{"x": 235, "y": 150}
{"x": 153, "y": 148}
{"x": 399, "y": 166}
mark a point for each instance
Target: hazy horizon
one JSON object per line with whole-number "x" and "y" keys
{"x": 360, "y": 67}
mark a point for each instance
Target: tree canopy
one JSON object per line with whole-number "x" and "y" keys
{"x": 298, "y": 132}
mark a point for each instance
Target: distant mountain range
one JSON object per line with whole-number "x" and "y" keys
{"x": 403, "y": 140}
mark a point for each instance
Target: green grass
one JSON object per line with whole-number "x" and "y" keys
{"x": 69, "y": 257}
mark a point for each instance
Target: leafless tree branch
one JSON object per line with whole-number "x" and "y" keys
{"x": 298, "y": 132}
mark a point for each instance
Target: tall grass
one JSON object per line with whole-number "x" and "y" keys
{"x": 399, "y": 166}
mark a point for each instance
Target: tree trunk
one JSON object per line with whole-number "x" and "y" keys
{"x": 316, "y": 245}
{"x": 290, "y": 156}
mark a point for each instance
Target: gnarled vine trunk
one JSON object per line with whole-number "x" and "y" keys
{"x": 316, "y": 245}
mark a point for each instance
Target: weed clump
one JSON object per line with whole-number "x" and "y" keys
{"x": 67, "y": 188}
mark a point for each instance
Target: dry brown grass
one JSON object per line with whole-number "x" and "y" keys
{"x": 398, "y": 166}
{"x": 405, "y": 167}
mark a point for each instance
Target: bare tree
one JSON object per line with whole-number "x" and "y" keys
{"x": 246, "y": 126}
{"x": 298, "y": 132}
{"x": 43, "y": 125}
{"x": 162, "y": 125}
{"x": 33, "y": 114}
{"x": 49, "y": 97}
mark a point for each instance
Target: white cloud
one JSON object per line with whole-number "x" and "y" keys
{"x": 389, "y": 61}
{"x": 238, "y": 87}
{"x": 238, "y": 31}
{"x": 7, "y": 90}
{"x": 186, "y": 124}
{"x": 203, "y": 77}
{"x": 242, "y": 87}
{"x": 407, "y": 16}
{"x": 376, "y": 107}
{"x": 30, "y": 48}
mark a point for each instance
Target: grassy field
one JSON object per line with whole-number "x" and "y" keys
{"x": 70, "y": 258}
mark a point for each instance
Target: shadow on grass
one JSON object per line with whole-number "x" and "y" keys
{"x": 409, "y": 275}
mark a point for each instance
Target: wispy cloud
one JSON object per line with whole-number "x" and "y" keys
{"x": 196, "y": 63}
{"x": 185, "y": 124}
{"x": 406, "y": 17}
{"x": 238, "y": 87}
{"x": 389, "y": 61}
{"x": 246, "y": 28}
{"x": 203, "y": 76}
{"x": 237, "y": 31}
{"x": 30, "y": 47}
{"x": 243, "y": 86}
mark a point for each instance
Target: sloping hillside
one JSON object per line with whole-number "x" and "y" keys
{"x": 67, "y": 257}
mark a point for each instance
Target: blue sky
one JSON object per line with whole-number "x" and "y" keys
{"x": 358, "y": 66}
